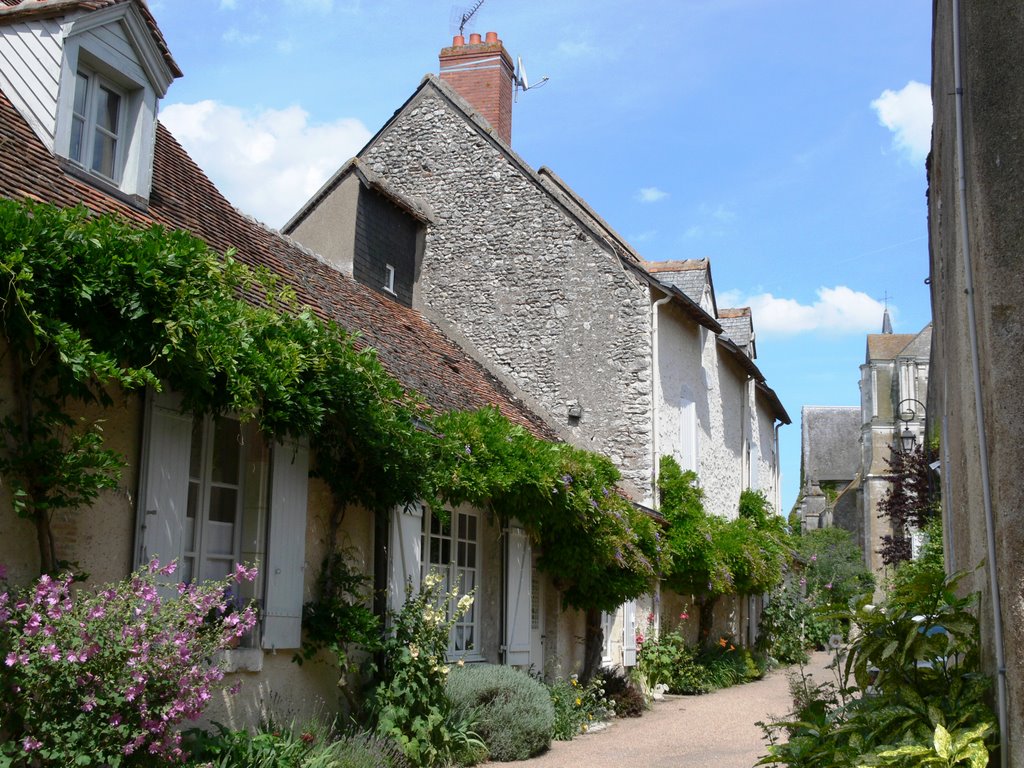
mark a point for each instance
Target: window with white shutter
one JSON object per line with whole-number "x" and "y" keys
{"x": 216, "y": 493}
{"x": 519, "y": 599}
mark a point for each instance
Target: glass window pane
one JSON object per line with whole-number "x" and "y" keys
{"x": 462, "y": 526}
{"x": 193, "y": 501}
{"x": 108, "y": 106}
{"x": 472, "y": 527}
{"x": 77, "y": 132}
{"x": 223, "y": 504}
{"x": 104, "y": 149}
{"x": 470, "y": 556}
{"x": 220, "y": 539}
{"x": 81, "y": 92}
{"x": 195, "y": 460}
{"x": 446, "y": 551}
{"x": 227, "y": 439}
{"x": 462, "y": 554}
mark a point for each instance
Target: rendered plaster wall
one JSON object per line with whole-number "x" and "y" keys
{"x": 679, "y": 379}
{"x": 537, "y": 297}
{"x": 721, "y": 457}
{"x": 768, "y": 476}
{"x": 330, "y": 227}
{"x": 830, "y": 449}
{"x": 993, "y": 66}
{"x": 97, "y": 538}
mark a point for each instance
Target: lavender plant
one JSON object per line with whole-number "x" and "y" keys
{"x": 104, "y": 677}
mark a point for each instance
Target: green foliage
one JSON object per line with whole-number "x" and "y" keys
{"x": 626, "y": 696}
{"x": 104, "y": 677}
{"x": 726, "y": 665}
{"x": 929, "y": 565}
{"x": 668, "y": 660}
{"x": 784, "y": 625}
{"x": 272, "y": 746}
{"x": 910, "y": 690}
{"x": 577, "y": 706}
{"x": 833, "y": 567}
{"x": 410, "y": 705}
{"x": 512, "y": 711}
{"x": 694, "y": 565}
{"x": 92, "y": 305}
{"x": 599, "y": 548}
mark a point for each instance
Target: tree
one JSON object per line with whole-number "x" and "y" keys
{"x": 909, "y": 502}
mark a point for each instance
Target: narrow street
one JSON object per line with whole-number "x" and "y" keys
{"x": 716, "y": 730}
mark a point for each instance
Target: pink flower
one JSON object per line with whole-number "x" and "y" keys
{"x": 684, "y": 616}
{"x": 30, "y": 744}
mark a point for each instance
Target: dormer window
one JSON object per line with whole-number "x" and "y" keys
{"x": 389, "y": 278}
{"x": 92, "y": 82}
{"x": 97, "y": 124}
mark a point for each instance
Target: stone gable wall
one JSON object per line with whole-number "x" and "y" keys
{"x": 541, "y": 300}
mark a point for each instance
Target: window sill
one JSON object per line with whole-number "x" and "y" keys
{"x": 104, "y": 185}
{"x": 240, "y": 660}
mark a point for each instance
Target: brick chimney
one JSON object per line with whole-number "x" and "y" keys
{"x": 482, "y": 73}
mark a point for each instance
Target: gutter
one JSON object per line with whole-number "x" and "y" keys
{"x": 655, "y": 362}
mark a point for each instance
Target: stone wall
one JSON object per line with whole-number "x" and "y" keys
{"x": 993, "y": 68}
{"x": 537, "y": 296}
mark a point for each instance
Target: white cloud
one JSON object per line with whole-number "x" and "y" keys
{"x": 235, "y": 35}
{"x": 267, "y": 163}
{"x": 651, "y": 195}
{"x": 575, "y": 49}
{"x": 838, "y": 310}
{"x": 908, "y": 114}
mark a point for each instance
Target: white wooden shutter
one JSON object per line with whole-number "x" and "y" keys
{"x": 629, "y": 634}
{"x": 404, "y": 553}
{"x": 518, "y": 603}
{"x": 286, "y": 546}
{"x": 164, "y": 497}
{"x": 688, "y": 451}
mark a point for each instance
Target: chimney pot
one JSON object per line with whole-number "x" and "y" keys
{"x": 483, "y": 75}
{"x": 458, "y": 41}
{"x": 492, "y": 37}
{"x": 474, "y": 39}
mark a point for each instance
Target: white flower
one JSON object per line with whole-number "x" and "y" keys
{"x": 414, "y": 651}
{"x": 432, "y": 579}
{"x": 465, "y": 602}
{"x": 835, "y": 641}
{"x": 869, "y": 608}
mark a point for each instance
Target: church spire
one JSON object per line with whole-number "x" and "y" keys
{"x": 886, "y": 322}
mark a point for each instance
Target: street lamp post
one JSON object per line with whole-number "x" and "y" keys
{"x": 906, "y": 412}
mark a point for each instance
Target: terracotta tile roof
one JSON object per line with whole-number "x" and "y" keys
{"x": 12, "y": 10}
{"x": 886, "y": 346}
{"x": 410, "y": 347}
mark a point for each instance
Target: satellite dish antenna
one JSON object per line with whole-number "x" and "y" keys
{"x": 522, "y": 83}
{"x": 460, "y": 16}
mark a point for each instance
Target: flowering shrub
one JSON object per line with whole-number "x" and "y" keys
{"x": 104, "y": 677}
{"x": 411, "y": 705}
{"x": 578, "y": 706}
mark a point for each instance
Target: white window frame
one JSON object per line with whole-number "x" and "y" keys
{"x": 463, "y": 555}
{"x": 389, "y": 278}
{"x": 274, "y": 540}
{"x": 142, "y": 77}
{"x": 91, "y": 126}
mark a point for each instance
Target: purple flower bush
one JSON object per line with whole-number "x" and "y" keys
{"x": 104, "y": 677}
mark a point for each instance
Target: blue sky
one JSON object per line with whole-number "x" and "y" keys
{"x": 783, "y": 139}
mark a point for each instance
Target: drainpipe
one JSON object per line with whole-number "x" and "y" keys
{"x": 655, "y": 361}
{"x": 979, "y": 411}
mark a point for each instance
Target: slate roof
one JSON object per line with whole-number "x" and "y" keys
{"x": 738, "y": 325}
{"x": 409, "y": 346}
{"x": 14, "y": 10}
{"x": 688, "y": 275}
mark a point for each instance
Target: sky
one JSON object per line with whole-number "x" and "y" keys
{"x": 785, "y": 140}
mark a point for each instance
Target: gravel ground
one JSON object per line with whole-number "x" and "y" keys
{"x": 716, "y": 730}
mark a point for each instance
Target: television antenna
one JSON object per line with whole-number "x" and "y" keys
{"x": 461, "y": 16}
{"x": 521, "y": 81}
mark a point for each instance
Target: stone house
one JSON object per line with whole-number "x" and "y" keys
{"x": 537, "y": 287}
{"x": 63, "y": 60}
{"x": 830, "y": 468}
{"x": 976, "y": 233}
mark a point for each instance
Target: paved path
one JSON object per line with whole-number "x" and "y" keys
{"x": 715, "y": 730}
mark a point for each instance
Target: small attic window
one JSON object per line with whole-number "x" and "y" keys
{"x": 389, "y": 279}
{"x": 112, "y": 76}
{"x": 97, "y": 124}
